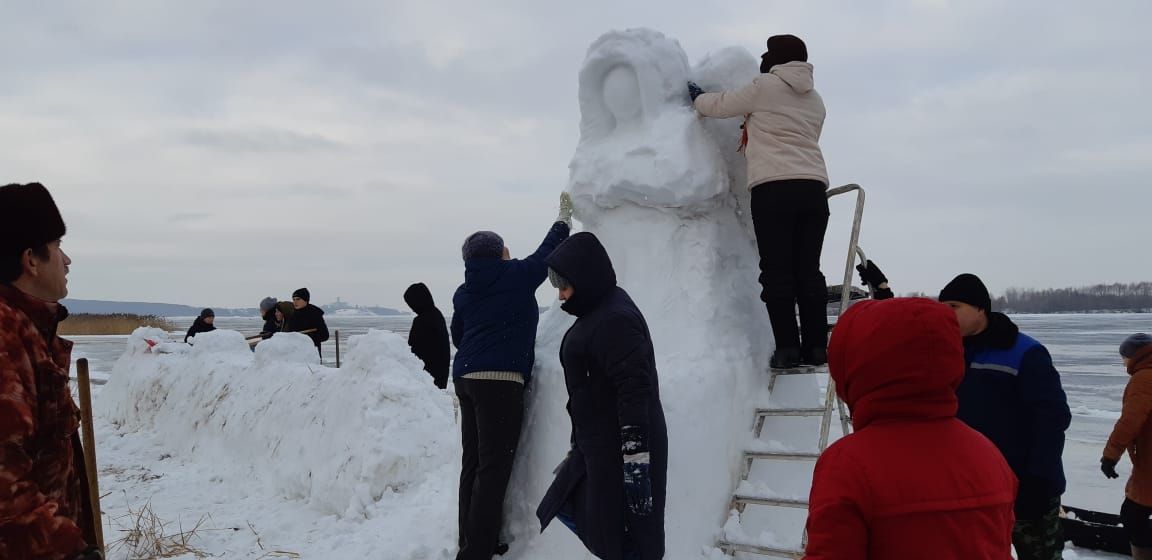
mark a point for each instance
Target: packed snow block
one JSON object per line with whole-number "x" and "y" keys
{"x": 640, "y": 140}
{"x": 289, "y": 347}
{"x": 655, "y": 186}
{"x": 219, "y": 342}
{"x": 339, "y": 439}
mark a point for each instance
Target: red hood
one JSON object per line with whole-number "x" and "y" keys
{"x": 897, "y": 359}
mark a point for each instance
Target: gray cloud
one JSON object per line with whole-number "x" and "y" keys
{"x": 351, "y": 146}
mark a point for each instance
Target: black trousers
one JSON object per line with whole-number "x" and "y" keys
{"x": 491, "y": 414}
{"x": 790, "y": 219}
{"x": 1135, "y": 518}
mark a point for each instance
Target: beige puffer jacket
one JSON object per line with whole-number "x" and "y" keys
{"x": 784, "y": 118}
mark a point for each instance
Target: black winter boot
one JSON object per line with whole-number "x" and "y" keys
{"x": 814, "y": 356}
{"x": 785, "y": 358}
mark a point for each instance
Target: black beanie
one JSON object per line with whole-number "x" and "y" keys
{"x": 207, "y": 312}
{"x": 783, "y": 49}
{"x": 29, "y": 218}
{"x": 303, "y": 294}
{"x": 967, "y": 288}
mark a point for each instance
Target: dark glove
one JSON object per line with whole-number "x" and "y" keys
{"x": 1108, "y": 467}
{"x": 637, "y": 470}
{"x": 694, "y": 91}
{"x": 871, "y": 274}
{"x": 90, "y": 553}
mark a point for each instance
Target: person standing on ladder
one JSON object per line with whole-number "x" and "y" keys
{"x": 783, "y": 119}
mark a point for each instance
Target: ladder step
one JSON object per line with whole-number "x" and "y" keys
{"x": 801, "y": 370}
{"x": 768, "y": 501}
{"x": 781, "y": 455}
{"x": 732, "y": 547}
{"x": 807, "y": 412}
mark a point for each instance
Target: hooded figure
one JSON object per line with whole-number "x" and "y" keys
{"x": 911, "y": 481}
{"x": 272, "y": 324}
{"x": 307, "y": 317}
{"x": 429, "y": 335}
{"x": 203, "y": 323}
{"x": 611, "y": 488}
{"x": 783, "y": 119}
{"x": 45, "y": 511}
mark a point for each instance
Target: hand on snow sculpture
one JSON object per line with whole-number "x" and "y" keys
{"x": 1108, "y": 467}
{"x": 694, "y": 91}
{"x": 637, "y": 477}
{"x": 565, "y": 209}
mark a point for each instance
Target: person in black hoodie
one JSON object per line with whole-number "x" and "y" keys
{"x": 611, "y": 488}
{"x": 272, "y": 323}
{"x": 429, "y": 335}
{"x": 203, "y": 323}
{"x": 307, "y": 317}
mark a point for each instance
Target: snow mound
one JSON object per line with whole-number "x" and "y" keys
{"x": 340, "y": 440}
{"x": 287, "y": 347}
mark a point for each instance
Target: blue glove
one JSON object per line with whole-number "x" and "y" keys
{"x": 694, "y": 91}
{"x": 637, "y": 471}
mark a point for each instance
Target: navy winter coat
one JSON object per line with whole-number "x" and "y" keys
{"x": 610, "y": 371}
{"x": 1012, "y": 394}
{"x": 495, "y": 317}
{"x": 309, "y": 318}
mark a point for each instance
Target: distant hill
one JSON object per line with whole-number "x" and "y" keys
{"x": 100, "y": 307}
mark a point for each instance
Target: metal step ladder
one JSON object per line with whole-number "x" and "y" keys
{"x": 831, "y": 403}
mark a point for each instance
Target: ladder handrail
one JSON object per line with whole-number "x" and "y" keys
{"x": 845, "y": 297}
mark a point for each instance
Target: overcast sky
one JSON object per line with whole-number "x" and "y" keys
{"x": 213, "y": 152}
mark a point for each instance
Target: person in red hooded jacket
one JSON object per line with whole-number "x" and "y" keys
{"x": 912, "y": 481}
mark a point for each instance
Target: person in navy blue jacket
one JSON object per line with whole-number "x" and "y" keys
{"x": 1012, "y": 394}
{"x": 494, "y": 330}
{"x": 611, "y": 488}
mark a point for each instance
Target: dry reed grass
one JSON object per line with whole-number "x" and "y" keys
{"x": 146, "y": 536}
{"x": 119, "y": 323}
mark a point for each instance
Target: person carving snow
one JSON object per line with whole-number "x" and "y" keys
{"x": 610, "y": 490}
{"x": 784, "y": 116}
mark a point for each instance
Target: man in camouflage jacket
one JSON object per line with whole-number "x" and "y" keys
{"x": 45, "y": 512}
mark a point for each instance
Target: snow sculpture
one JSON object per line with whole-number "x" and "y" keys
{"x": 663, "y": 191}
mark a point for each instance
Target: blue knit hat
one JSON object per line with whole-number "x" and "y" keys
{"x": 483, "y": 244}
{"x": 1133, "y": 344}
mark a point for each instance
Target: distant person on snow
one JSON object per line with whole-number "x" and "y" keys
{"x": 203, "y": 323}
{"x": 611, "y": 488}
{"x": 1133, "y": 434}
{"x": 783, "y": 119}
{"x": 307, "y": 317}
{"x": 273, "y": 320}
{"x": 45, "y": 511}
{"x": 494, "y": 330}
{"x": 1013, "y": 395}
{"x": 910, "y": 481}
{"x": 429, "y": 335}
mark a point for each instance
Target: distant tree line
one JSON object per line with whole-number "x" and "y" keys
{"x": 1101, "y": 297}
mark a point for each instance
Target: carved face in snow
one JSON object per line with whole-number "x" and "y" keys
{"x": 641, "y": 142}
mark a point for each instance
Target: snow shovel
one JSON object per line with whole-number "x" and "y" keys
{"x": 89, "y": 447}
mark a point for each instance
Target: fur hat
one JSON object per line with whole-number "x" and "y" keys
{"x": 29, "y": 218}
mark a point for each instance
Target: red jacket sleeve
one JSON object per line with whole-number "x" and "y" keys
{"x": 837, "y": 529}
{"x": 29, "y": 526}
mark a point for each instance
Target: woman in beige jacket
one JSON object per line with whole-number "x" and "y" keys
{"x": 783, "y": 117}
